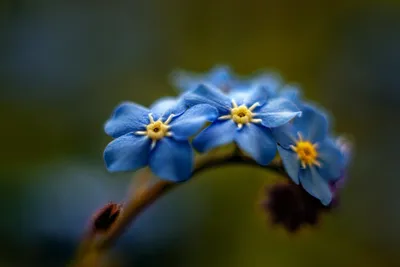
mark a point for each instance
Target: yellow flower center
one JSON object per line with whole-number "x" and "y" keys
{"x": 156, "y": 130}
{"x": 306, "y": 152}
{"x": 242, "y": 114}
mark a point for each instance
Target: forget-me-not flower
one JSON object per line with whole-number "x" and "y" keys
{"x": 245, "y": 121}
{"x": 157, "y": 137}
{"x": 309, "y": 155}
{"x": 345, "y": 147}
{"x": 223, "y": 78}
{"x": 220, "y": 76}
{"x": 290, "y": 92}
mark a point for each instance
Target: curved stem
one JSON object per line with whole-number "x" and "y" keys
{"x": 141, "y": 200}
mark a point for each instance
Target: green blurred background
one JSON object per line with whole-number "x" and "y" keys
{"x": 64, "y": 65}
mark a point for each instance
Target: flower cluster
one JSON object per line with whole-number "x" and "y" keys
{"x": 260, "y": 115}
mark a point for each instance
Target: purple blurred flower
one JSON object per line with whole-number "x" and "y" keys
{"x": 292, "y": 207}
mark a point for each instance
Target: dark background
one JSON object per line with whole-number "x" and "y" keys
{"x": 64, "y": 65}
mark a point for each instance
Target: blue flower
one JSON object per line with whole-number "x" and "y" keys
{"x": 292, "y": 93}
{"x": 157, "y": 137}
{"x": 346, "y": 148}
{"x": 225, "y": 80}
{"x": 220, "y": 76}
{"x": 309, "y": 155}
{"x": 270, "y": 81}
{"x": 245, "y": 121}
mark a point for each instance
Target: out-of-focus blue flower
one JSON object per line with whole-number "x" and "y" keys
{"x": 270, "y": 81}
{"x": 309, "y": 156}
{"x": 224, "y": 79}
{"x": 346, "y": 148}
{"x": 292, "y": 93}
{"x": 157, "y": 137}
{"x": 243, "y": 120}
{"x": 220, "y": 76}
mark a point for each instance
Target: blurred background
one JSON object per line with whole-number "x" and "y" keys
{"x": 64, "y": 66}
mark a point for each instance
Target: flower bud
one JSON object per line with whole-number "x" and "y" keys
{"x": 106, "y": 217}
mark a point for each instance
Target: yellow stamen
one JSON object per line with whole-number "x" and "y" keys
{"x": 306, "y": 152}
{"x": 151, "y": 118}
{"x": 156, "y": 130}
{"x": 234, "y": 103}
{"x": 303, "y": 165}
{"x": 169, "y": 119}
{"x": 141, "y": 132}
{"x": 242, "y": 115}
{"x": 153, "y": 144}
{"x": 225, "y": 117}
{"x": 256, "y": 120}
{"x": 254, "y": 106}
{"x": 300, "y": 136}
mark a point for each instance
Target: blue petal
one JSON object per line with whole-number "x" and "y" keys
{"x": 291, "y": 163}
{"x": 217, "y": 134}
{"x": 220, "y": 76}
{"x": 277, "y": 112}
{"x": 239, "y": 94}
{"x": 127, "y": 153}
{"x": 127, "y": 117}
{"x": 315, "y": 185}
{"x": 291, "y": 93}
{"x": 207, "y": 94}
{"x": 331, "y": 160}
{"x": 271, "y": 80}
{"x": 163, "y": 104}
{"x": 172, "y": 160}
{"x": 312, "y": 124}
{"x": 192, "y": 121}
{"x": 241, "y": 86}
{"x": 183, "y": 80}
{"x": 257, "y": 141}
{"x": 258, "y": 94}
{"x": 285, "y": 135}
{"x": 168, "y": 105}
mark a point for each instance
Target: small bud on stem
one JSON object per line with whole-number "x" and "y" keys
{"x": 106, "y": 217}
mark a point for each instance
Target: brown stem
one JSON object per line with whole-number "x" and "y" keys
{"x": 141, "y": 200}
{"x": 132, "y": 209}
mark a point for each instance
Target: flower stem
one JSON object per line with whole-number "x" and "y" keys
{"x": 139, "y": 201}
